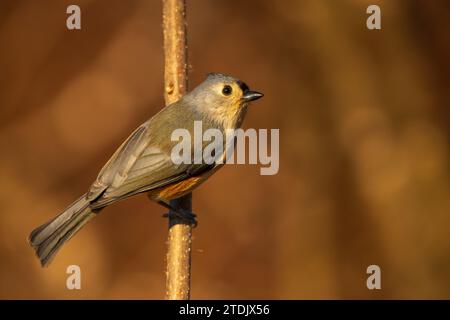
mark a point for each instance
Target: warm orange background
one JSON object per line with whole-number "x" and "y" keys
{"x": 364, "y": 147}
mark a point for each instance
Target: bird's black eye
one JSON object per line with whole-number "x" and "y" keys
{"x": 227, "y": 90}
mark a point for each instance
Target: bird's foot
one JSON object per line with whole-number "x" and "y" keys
{"x": 190, "y": 217}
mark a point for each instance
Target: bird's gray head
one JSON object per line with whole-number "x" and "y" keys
{"x": 223, "y": 98}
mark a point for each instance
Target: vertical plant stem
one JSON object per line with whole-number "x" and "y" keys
{"x": 178, "y": 273}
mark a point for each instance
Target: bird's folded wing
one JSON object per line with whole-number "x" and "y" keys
{"x": 120, "y": 162}
{"x": 138, "y": 166}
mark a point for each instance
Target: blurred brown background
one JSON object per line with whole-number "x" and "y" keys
{"x": 364, "y": 147}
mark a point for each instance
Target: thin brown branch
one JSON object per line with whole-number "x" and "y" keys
{"x": 175, "y": 78}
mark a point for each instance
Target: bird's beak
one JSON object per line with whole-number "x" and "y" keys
{"x": 251, "y": 95}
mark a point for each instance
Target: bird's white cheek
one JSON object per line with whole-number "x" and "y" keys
{"x": 209, "y": 100}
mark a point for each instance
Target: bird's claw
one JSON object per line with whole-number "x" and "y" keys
{"x": 190, "y": 217}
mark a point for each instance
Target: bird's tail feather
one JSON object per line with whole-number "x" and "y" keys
{"x": 49, "y": 238}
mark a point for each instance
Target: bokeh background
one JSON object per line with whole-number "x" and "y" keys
{"x": 364, "y": 147}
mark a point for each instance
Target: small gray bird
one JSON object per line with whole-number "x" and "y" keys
{"x": 143, "y": 162}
